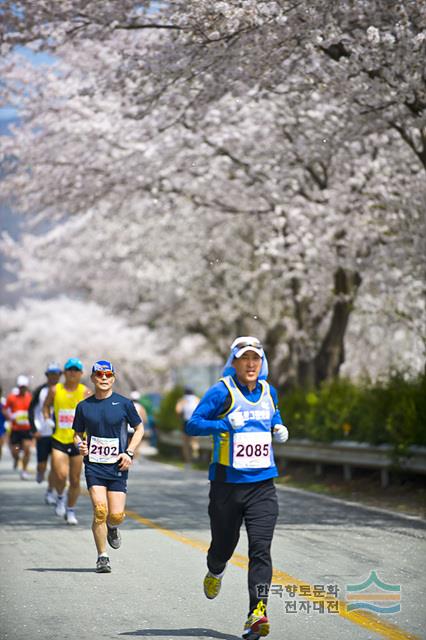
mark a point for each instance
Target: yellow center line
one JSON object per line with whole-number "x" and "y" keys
{"x": 363, "y": 619}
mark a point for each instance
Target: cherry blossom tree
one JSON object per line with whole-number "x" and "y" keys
{"x": 370, "y": 52}
{"x": 223, "y": 168}
{"x": 40, "y": 331}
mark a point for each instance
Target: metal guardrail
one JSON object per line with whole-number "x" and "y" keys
{"x": 349, "y": 455}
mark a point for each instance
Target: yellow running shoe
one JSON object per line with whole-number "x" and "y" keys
{"x": 211, "y": 585}
{"x": 257, "y": 624}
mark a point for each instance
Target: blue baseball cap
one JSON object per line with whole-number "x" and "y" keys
{"x": 73, "y": 362}
{"x": 103, "y": 365}
{"x": 53, "y": 367}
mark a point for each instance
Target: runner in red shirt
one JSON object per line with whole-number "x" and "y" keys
{"x": 16, "y": 410}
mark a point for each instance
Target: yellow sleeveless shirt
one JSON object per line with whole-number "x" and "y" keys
{"x": 64, "y": 406}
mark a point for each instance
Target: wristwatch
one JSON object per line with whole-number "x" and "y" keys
{"x": 130, "y": 454}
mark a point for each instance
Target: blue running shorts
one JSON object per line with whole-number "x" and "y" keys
{"x": 112, "y": 484}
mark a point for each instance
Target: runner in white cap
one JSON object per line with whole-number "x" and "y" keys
{"x": 43, "y": 429}
{"x": 241, "y": 413}
{"x": 185, "y": 408}
{"x": 16, "y": 410}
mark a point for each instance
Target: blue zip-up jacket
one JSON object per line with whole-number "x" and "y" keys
{"x": 211, "y": 418}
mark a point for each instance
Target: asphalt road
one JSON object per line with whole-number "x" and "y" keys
{"x": 49, "y": 588}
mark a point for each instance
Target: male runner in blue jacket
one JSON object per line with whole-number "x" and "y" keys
{"x": 241, "y": 413}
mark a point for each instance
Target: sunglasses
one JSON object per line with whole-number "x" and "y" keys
{"x": 73, "y": 369}
{"x": 107, "y": 374}
{"x": 252, "y": 343}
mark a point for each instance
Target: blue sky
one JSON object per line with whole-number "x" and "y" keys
{"x": 8, "y": 114}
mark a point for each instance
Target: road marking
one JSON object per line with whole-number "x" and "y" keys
{"x": 364, "y": 619}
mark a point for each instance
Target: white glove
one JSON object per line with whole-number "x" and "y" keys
{"x": 280, "y": 433}
{"x": 49, "y": 423}
{"x": 236, "y": 419}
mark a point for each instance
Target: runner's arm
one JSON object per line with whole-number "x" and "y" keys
{"x": 142, "y": 413}
{"x": 6, "y": 410}
{"x": 31, "y": 409}
{"x": 134, "y": 420}
{"x": 136, "y": 437}
{"x": 31, "y": 416}
{"x": 48, "y": 403}
{"x": 205, "y": 420}
{"x": 80, "y": 440}
{"x": 125, "y": 458}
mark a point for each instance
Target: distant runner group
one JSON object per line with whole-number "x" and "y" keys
{"x": 71, "y": 423}
{"x": 104, "y": 429}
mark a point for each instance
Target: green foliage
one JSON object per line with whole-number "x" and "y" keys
{"x": 393, "y": 412}
{"x": 166, "y": 416}
{"x": 147, "y": 404}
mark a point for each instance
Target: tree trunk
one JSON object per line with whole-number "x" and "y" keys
{"x": 306, "y": 374}
{"x": 332, "y": 352}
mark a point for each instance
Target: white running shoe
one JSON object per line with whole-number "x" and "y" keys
{"x": 60, "y": 509}
{"x": 49, "y": 498}
{"x": 25, "y": 475}
{"x": 70, "y": 517}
